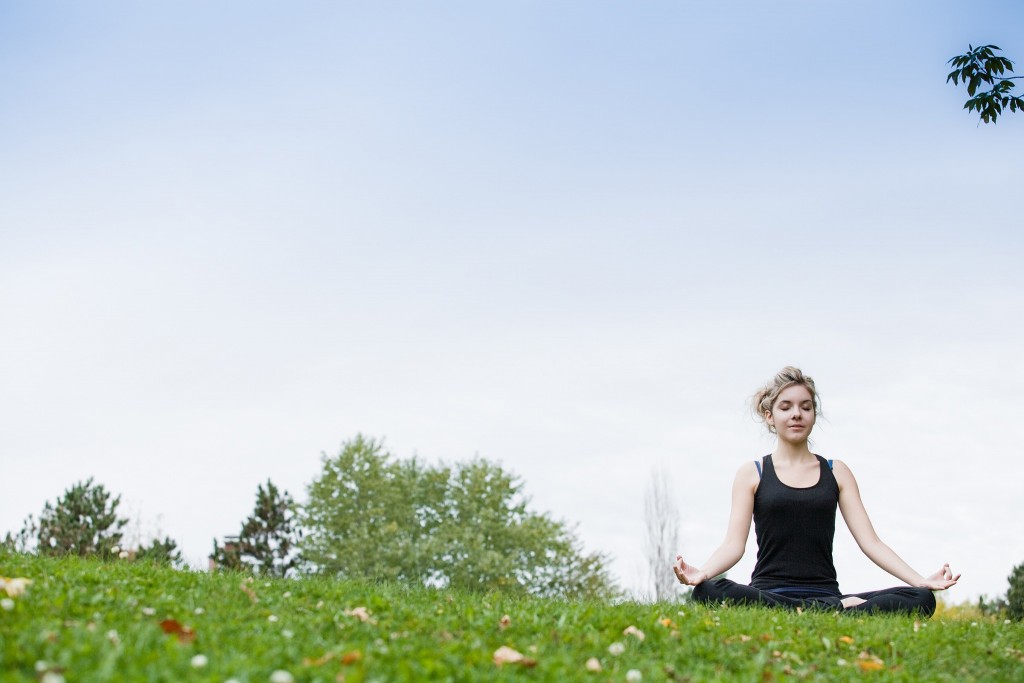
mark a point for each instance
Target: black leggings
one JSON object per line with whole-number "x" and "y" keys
{"x": 903, "y": 599}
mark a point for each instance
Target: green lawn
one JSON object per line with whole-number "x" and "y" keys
{"x": 123, "y": 621}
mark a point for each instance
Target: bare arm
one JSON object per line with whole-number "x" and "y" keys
{"x": 852, "y": 507}
{"x": 731, "y": 550}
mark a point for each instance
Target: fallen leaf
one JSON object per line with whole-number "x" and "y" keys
{"x": 14, "y": 587}
{"x": 506, "y": 655}
{"x": 319, "y": 661}
{"x": 845, "y": 639}
{"x": 175, "y": 628}
{"x": 248, "y": 590}
{"x": 351, "y": 657}
{"x": 635, "y": 632}
{"x": 359, "y": 613}
{"x": 869, "y": 662}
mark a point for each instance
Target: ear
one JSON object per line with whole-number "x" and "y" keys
{"x": 768, "y": 417}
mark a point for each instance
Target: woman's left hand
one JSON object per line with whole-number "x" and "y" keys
{"x": 940, "y": 580}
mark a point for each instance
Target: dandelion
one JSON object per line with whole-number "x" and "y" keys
{"x": 616, "y": 649}
{"x": 634, "y": 676}
{"x": 7, "y": 604}
{"x": 281, "y": 676}
{"x": 593, "y": 664}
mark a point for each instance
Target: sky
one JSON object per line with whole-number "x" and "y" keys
{"x": 572, "y": 238}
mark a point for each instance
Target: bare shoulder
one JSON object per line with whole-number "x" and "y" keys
{"x": 843, "y": 473}
{"x": 747, "y": 475}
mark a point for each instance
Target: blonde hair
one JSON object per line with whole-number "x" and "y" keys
{"x": 765, "y": 397}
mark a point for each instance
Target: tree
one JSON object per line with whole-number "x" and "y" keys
{"x": 371, "y": 516}
{"x": 268, "y": 541}
{"x": 83, "y": 522}
{"x": 981, "y": 65}
{"x": 661, "y": 517}
{"x": 161, "y": 551}
{"x": 1015, "y": 594}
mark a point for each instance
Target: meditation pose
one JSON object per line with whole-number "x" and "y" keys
{"x": 792, "y": 496}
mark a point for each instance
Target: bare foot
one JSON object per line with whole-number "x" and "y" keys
{"x": 852, "y": 602}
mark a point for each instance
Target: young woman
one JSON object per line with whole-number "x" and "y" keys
{"x": 792, "y": 496}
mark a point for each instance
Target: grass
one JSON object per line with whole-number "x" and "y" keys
{"x": 85, "y": 620}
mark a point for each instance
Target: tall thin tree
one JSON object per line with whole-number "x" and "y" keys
{"x": 661, "y": 517}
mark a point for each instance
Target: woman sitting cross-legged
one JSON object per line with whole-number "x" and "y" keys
{"x": 792, "y": 496}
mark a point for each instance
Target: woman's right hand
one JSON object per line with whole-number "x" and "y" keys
{"x": 687, "y": 573}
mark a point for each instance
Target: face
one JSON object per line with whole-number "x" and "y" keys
{"x": 792, "y": 416}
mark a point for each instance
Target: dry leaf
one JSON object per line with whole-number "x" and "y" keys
{"x": 14, "y": 587}
{"x": 869, "y": 662}
{"x": 359, "y": 613}
{"x": 351, "y": 657}
{"x": 248, "y": 590}
{"x": 506, "y": 655}
{"x": 845, "y": 639}
{"x": 319, "y": 661}
{"x": 635, "y": 632}
{"x": 175, "y": 628}
{"x": 505, "y": 622}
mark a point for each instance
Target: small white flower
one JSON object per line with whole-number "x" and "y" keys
{"x": 113, "y": 637}
{"x": 287, "y": 594}
{"x": 51, "y": 677}
{"x": 281, "y": 676}
{"x": 115, "y": 550}
{"x": 1006, "y": 621}
{"x": 41, "y": 666}
{"x": 199, "y": 610}
{"x": 199, "y": 661}
{"x": 634, "y": 676}
{"x": 593, "y": 664}
{"x": 841, "y": 662}
{"x": 616, "y": 649}
{"x": 148, "y": 611}
{"x": 123, "y": 554}
{"x": 286, "y": 633}
{"x": 7, "y": 604}
{"x": 272, "y": 618}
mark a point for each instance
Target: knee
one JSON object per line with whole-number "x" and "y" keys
{"x": 701, "y": 592}
{"x": 926, "y": 600}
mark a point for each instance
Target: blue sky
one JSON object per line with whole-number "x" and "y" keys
{"x": 572, "y": 237}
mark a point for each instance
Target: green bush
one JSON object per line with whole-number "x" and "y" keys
{"x": 1015, "y": 595}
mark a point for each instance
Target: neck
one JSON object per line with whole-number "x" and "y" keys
{"x": 788, "y": 452}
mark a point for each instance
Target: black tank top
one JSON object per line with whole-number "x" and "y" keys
{"x": 795, "y": 528}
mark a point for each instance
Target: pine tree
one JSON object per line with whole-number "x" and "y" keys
{"x": 83, "y": 522}
{"x": 268, "y": 541}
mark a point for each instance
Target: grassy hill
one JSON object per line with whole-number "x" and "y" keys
{"x": 124, "y": 621}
